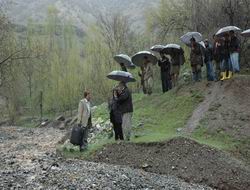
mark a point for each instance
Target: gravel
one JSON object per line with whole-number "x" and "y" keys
{"x": 28, "y": 161}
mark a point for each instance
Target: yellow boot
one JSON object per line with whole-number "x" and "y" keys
{"x": 230, "y": 74}
{"x": 223, "y": 75}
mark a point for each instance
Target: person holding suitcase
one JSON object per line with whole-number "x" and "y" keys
{"x": 84, "y": 119}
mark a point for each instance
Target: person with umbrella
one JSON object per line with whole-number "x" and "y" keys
{"x": 141, "y": 74}
{"x": 123, "y": 67}
{"x": 217, "y": 56}
{"x": 233, "y": 63}
{"x": 148, "y": 76}
{"x": 177, "y": 59}
{"x": 123, "y": 99}
{"x": 125, "y": 104}
{"x": 145, "y": 60}
{"x": 196, "y": 59}
{"x": 226, "y": 66}
{"x": 165, "y": 66}
{"x": 116, "y": 115}
{"x": 234, "y": 51}
{"x": 124, "y": 61}
{"x": 208, "y": 61}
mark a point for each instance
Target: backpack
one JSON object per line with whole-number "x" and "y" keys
{"x": 76, "y": 135}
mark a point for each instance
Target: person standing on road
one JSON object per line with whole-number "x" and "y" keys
{"x": 125, "y": 105}
{"x": 165, "y": 66}
{"x": 84, "y": 118}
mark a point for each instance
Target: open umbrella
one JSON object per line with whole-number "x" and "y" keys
{"x": 246, "y": 33}
{"x": 125, "y": 59}
{"x": 226, "y": 29}
{"x": 187, "y": 37}
{"x": 157, "y": 48}
{"x": 139, "y": 58}
{"x": 121, "y": 76}
{"x": 202, "y": 44}
{"x": 168, "y": 49}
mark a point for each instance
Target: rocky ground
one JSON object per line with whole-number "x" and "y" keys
{"x": 28, "y": 161}
{"x": 183, "y": 158}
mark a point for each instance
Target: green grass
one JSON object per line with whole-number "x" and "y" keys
{"x": 76, "y": 154}
{"x": 157, "y": 118}
{"x": 162, "y": 115}
{"x": 240, "y": 148}
{"x": 220, "y": 140}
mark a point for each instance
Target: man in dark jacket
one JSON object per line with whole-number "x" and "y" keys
{"x": 124, "y": 100}
{"x": 116, "y": 117}
{"x": 234, "y": 52}
{"x": 217, "y": 56}
{"x": 196, "y": 60}
{"x": 208, "y": 61}
{"x": 165, "y": 66}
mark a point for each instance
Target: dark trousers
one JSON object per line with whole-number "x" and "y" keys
{"x": 118, "y": 131}
{"x": 210, "y": 71}
{"x": 166, "y": 81}
{"x": 196, "y": 69}
{"x": 84, "y": 142}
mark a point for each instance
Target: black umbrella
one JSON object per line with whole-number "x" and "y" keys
{"x": 170, "y": 48}
{"x": 121, "y": 76}
{"x": 157, "y": 48}
{"x": 227, "y": 29}
{"x": 139, "y": 58}
{"x": 188, "y": 36}
{"x": 125, "y": 59}
{"x": 246, "y": 33}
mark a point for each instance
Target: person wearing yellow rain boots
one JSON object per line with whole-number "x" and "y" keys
{"x": 226, "y": 65}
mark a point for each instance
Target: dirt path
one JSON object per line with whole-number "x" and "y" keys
{"x": 28, "y": 161}
{"x": 226, "y": 107}
{"x": 212, "y": 94}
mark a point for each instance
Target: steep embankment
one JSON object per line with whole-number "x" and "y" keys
{"x": 226, "y": 124}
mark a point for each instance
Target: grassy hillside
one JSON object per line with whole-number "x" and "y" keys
{"x": 163, "y": 116}
{"x": 155, "y": 118}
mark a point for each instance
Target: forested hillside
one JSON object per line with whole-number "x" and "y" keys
{"x": 49, "y": 64}
{"x": 180, "y": 119}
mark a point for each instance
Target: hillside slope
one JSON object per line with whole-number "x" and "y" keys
{"x": 221, "y": 116}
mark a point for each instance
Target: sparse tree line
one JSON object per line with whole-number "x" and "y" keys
{"x": 55, "y": 61}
